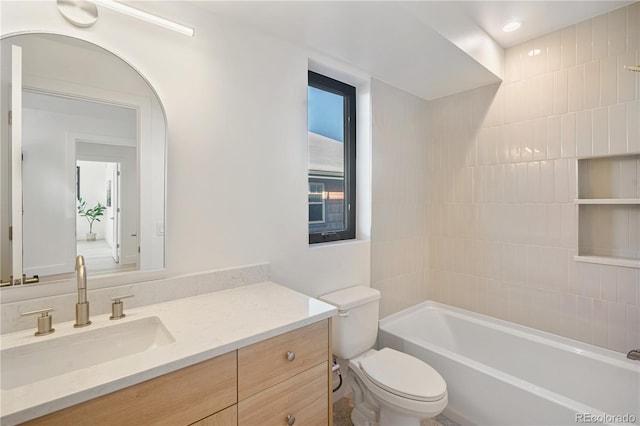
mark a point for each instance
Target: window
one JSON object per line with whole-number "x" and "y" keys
{"x": 316, "y": 202}
{"x": 332, "y": 159}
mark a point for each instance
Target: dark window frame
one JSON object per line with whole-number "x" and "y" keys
{"x": 328, "y": 84}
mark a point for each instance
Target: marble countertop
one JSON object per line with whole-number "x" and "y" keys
{"x": 203, "y": 327}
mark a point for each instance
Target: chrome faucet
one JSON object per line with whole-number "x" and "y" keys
{"x": 634, "y": 354}
{"x": 82, "y": 307}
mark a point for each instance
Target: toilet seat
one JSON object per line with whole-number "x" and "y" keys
{"x": 403, "y": 375}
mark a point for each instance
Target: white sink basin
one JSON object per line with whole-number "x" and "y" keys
{"x": 40, "y": 360}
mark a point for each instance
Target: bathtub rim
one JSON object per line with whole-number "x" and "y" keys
{"x": 539, "y": 336}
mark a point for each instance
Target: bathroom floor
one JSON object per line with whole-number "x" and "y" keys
{"x": 342, "y": 415}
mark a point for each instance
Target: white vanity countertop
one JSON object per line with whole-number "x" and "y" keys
{"x": 203, "y": 327}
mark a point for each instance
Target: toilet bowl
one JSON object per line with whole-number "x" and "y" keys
{"x": 390, "y": 388}
{"x": 395, "y": 389}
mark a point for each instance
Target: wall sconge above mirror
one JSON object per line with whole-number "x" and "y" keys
{"x": 92, "y": 169}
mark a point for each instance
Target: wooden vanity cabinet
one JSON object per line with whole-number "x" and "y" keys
{"x": 258, "y": 385}
{"x": 285, "y": 379}
{"x": 178, "y": 398}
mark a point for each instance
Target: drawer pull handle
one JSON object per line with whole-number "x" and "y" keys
{"x": 291, "y": 420}
{"x": 290, "y": 357}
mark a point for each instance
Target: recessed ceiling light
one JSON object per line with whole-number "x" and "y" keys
{"x": 534, "y": 52}
{"x": 511, "y": 26}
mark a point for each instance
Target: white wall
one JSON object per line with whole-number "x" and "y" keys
{"x": 236, "y": 111}
{"x": 503, "y": 227}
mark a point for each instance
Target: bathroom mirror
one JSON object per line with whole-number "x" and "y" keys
{"x": 93, "y": 162}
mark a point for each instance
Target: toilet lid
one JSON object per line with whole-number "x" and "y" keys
{"x": 403, "y": 375}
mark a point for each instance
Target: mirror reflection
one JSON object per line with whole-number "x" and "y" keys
{"x": 93, "y": 155}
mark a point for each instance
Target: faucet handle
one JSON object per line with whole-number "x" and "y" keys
{"x": 117, "y": 307}
{"x": 45, "y": 321}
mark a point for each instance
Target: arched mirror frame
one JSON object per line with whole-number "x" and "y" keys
{"x": 39, "y": 290}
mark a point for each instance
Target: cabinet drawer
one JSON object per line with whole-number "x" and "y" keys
{"x": 265, "y": 364}
{"x": 181, "y": 397}
{"x": 226, "y": 417}
{"x": 304, "y": 396}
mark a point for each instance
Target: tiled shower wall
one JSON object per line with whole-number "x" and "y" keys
{"x": 399, "y": 197}
{"x": 502, "y": 226}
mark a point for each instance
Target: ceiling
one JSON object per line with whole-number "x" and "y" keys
{"x": 428, "y": 48}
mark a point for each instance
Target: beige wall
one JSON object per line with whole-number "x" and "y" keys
{"x": 502, "y": 224}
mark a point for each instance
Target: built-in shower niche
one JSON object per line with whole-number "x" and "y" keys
{"x": 609, "y": 210}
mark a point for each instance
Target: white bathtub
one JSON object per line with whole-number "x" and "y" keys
{"x": 501, "y": 373}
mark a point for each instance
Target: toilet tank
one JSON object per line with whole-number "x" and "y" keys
{"x": 355, "y": 329}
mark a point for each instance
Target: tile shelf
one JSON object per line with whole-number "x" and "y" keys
{"x": 608, "y": 260}
{"x": 608, "y": 209}
{"x": 605, "y": 201}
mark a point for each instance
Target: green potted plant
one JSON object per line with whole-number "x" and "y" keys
{"x": 93, "y": 214}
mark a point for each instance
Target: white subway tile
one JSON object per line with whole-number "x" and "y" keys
{"x": 568, "y": 46}
{"x": 533, "y": 182}
{"x": 561, "y": 181}
{"x": 525, "y": 134}
{"x": 540, "y": 61}
{"x": 569, "y": 227}
{"x": 617, "y": 31}
{"x": 626, "y": 80}
{"x": 534, "y": 267}
{"x": 504, "y": 133}
{"x": 600, "y": 131}
{"x": 617, "y": 129}
{"x": 633, "y": 126}
{"x": 554, "y": 238}
{"x": 514, "y": 144}
{"x": 592, "y": 84}
{"x": 532, "y": 97}
{"x": 547, "y": 187}
{"x": 510, "y": 183}
{"x": 583, "y": 42}
{"x": 512, "y": 65}
{"x": 600, "y": 37}
{"x": 633, "y": 26}
{"x": 599, "y": 326}
{"x": 608, "y": 283}
{"x": 540, "y": 139}
{"x": 584, "y": 314}
{"x": 553, "y": 51}
{"x": 608, "y": 81}
{"x": 589, "y": 277}
{"x": 633, "y": 326}
{"x": 628, "y": 289}
{"x": 521, "y": 264}
{"x": 546, "y": 95}
{"x": 526, "y": 61}
{"x": 522, "y": 188}
{"x": 554, "y": 146}
{"x": 576, "y": 88}
{"x": 508, "y": 263}
{"x": 492, "y": 146}
{"x": 560, "y": 92}
{"x": 583, "y": 133}
{"x": 617, "y": 327}
{"x": 573, "y": 179}
{"x": 568, "y": 135}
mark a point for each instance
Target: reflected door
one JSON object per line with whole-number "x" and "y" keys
{"x": 16, "y": 163}
{"x": 49, "y": 190}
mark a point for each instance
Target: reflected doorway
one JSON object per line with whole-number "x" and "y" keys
{"x": 98, "y": 184}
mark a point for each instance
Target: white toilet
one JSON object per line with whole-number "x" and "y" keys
{"x": 390, "y": 388}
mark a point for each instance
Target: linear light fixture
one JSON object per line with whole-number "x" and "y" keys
{"x": 145, "y": 16}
